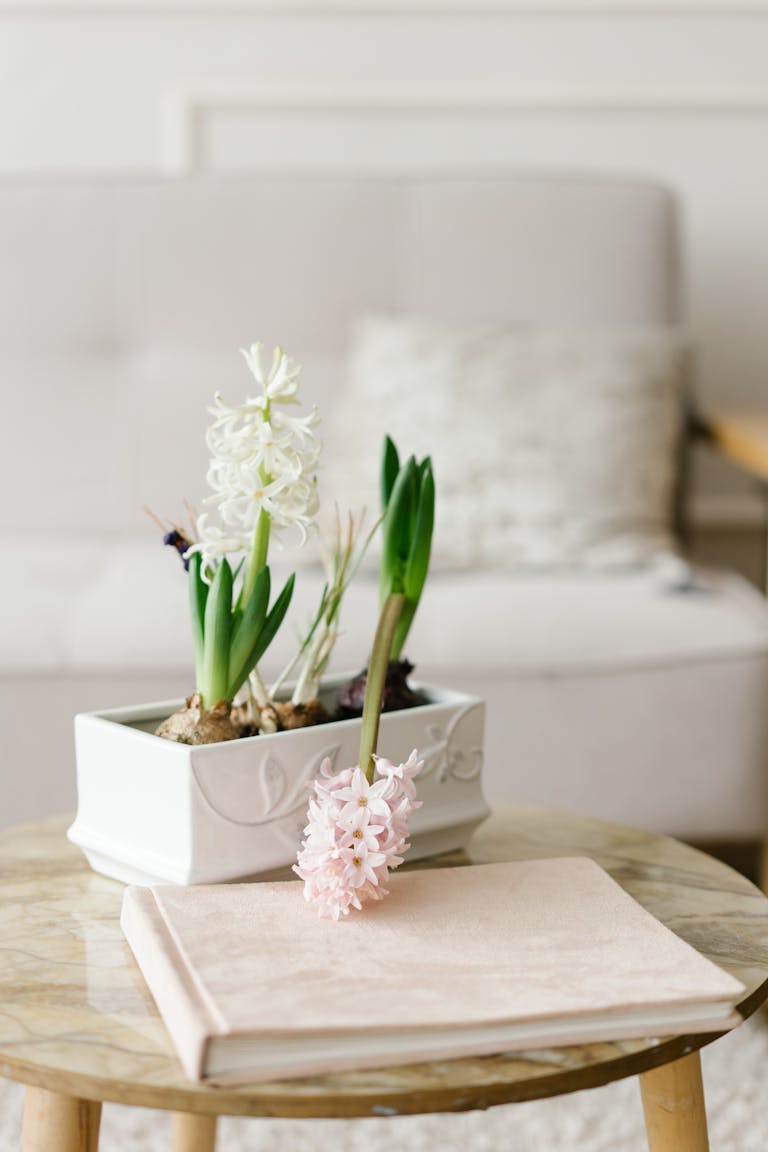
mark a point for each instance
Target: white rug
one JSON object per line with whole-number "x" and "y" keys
{"x": 603, "y": 1120}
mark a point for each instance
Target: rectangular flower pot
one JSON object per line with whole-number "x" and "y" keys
{"x": 153, "y": 811}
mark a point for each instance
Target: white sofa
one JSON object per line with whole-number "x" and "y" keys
{"x": 636, "y": 694}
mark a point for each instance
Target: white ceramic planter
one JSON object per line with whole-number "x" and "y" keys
{"x": 152, "y": 811}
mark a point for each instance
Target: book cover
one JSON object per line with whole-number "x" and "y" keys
{"x": 252, "y": 985}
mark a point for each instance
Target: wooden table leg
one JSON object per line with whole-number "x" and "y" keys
{"x": 762, "y": 866}
{"x": 193, "y": 1132}
{"x": 673, "y": 1103}
{"x": 65, "y": 1123}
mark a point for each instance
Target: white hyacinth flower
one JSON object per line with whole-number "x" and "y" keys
{"x": 263, "y": 462}
{"x": 218, "y": 543}
{"x": 282, "y": 380}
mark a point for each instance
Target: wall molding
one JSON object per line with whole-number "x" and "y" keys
{"x": 558, "y": 9}
{"x": 186, "y": 109}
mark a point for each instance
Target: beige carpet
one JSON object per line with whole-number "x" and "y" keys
{"x": 604, "y": 1120}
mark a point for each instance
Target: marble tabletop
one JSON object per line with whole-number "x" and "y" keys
{"x": 76, "y": 1016}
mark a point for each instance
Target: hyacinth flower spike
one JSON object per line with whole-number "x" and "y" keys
{"x": 408, "y": 514}
{"x": 357, "y": 830}
{"x": 262, "y": 480}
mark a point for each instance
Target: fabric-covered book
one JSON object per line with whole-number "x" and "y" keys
{"x": 487, "y": 958}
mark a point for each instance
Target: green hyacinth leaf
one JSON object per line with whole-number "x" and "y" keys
{"x": 395, "y": 531}
{"x": 266, "y": 634}
{"x": 403, "y": 628}
{"x": 218, "y": 610}
{"x": 417, "y": 565}
{"x": 390, "y": 466}
{"x": 247, "y": 628}
{"x": 198, "y": 595}
{"x": 276, "y": 616}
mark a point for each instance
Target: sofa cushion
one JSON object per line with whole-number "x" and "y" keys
{"x": 559, "y": 624}
{"x": 552, "y": 448}
{"x": 120, "y": 328}
{"x": 124, "y": 606}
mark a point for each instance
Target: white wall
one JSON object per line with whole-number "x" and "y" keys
{"x": 676, "y": 90}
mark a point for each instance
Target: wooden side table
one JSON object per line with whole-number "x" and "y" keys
{"x": 742, "y": 438}
{"x": 78, "y": 1026}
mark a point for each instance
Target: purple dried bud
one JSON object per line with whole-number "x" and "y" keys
{"x": 175, "y": 539}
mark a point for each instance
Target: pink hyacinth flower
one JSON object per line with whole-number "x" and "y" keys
{"x": 356, "y": 834}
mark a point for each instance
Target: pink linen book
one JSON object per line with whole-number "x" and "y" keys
{"x": 474, "y": 960}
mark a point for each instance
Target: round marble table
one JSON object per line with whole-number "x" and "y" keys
{"x": 78, "y": 1026}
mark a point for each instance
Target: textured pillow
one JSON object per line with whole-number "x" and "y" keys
{"x": 551, "y": 448}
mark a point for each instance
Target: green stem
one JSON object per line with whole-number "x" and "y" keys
{"x": 377, "y": 676}
{"x": 258, "y": 557}
{"x": 261, "y": 532}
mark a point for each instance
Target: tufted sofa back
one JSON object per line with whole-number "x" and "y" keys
{"x": 123, "y": 303}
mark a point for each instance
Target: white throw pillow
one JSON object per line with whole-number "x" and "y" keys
{"x": 551, "y": 448}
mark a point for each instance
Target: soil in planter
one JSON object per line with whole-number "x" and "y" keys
{"x": 397, "y": 691}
